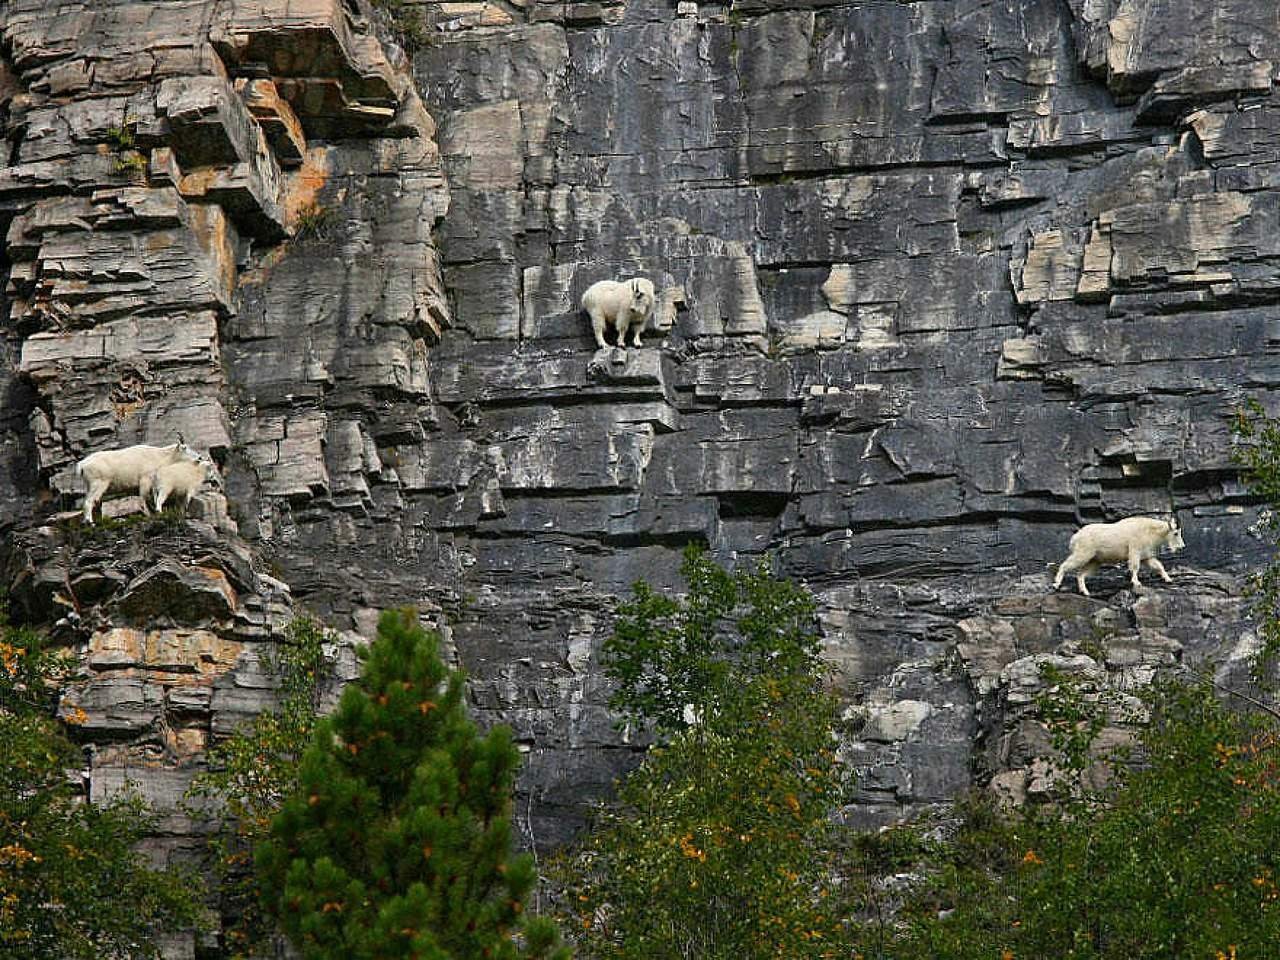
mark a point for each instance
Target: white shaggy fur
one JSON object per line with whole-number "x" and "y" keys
{"x": 624, "y": 304}
{"x": 1131, "y": 540}
{"x": 183, "y": 478}
{"x": 124, "y": 470}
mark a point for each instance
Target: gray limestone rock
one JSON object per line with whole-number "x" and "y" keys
{"x": 938, "y": 282}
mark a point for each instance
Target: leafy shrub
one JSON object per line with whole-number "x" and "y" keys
{"x": 1179, "y": 861}
{"x": 251, "y": 772}
{"x": 72, "y": 884}
{"x": 315, "y": 222}
{"x": 412, "y": 25}
{"x": 720, "y": 844}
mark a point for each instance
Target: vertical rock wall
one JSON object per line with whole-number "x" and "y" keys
{"x": 942, "y": 280}
{"x": 938, "y": 281}
{"x": 167, "y": 274}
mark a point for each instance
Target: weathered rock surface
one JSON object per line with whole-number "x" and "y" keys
{"x": 938, "y": 281}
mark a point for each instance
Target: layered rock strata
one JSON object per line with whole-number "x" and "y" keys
{"x": 943, "y": 280}
{"x": 164, "y": 162}
{"x": 938, "y": 281}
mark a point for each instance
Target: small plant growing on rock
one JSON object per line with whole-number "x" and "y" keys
{"x": 122, "y": 142}
{"x": 314, "y": 223}
{"x": 412, "y": 27}
{"x": 121, "y": 138}
{"x": 131, "y": 164}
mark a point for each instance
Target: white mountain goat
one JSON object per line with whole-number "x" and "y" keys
{"x": 183, "y": 478}
{"x": 1131, "y": 540}
{"x": 622, "y": 303}
{"x": 124, "y": 470}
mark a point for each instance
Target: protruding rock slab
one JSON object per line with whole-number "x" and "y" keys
{"x": 180, "y": 593}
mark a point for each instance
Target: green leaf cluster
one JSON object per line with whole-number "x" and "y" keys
{"x": 720, "y": 844}
{"x": 732, "y": 640}
{"x": 1179, "y": 861}
{"x": 72, "y": 884}
{"x": 1257, "y": 450}
{"x": 250, "y": 774}
{"x": 397, "y": 840}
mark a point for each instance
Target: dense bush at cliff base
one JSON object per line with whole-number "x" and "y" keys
{"x": 1177, "y": 859}
{"x": 72, "y": 886}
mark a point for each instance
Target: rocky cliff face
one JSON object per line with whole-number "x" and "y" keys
{"x": 938, "y": 281}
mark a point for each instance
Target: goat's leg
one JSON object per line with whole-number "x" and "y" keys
{"x": 97, "y": 489}
{"x": 145, "y": 490}
{"x": 598, "y": 325}
{"x": 1072, "y": 562}
{"x": 1158, "y": 567}
{"x": 1135, "y": 564}
{"x": 1086, "y": 570}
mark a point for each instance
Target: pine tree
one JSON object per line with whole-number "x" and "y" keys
{"x": 397, "y": 842}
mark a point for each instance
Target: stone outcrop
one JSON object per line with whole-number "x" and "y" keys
{"x": 937, "y": 282}
{"x": 165, "y": 161}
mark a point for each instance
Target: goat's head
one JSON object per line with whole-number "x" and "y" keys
{"x": 211, "y": 475}
{"x": 180, "y": 451}
{"x": 642, "y": 296}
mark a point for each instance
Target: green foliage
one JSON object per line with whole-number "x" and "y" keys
{"x": 72, "y": 885}
{"x": 1075, "y": 710}
{"x": 253, "y": 771}
{"x": 411, "y": 24}
{"x": 396, "y": 841}
{"x": 130, "y": 164}
{"x": 673, "y": 660}
{"x": 1257, "y": 449}
{"x": 720, "y": 843}
{"x": 120, "y": 138}
{"x": 1180, "y": 862}
{"x": 122, "y": 142}
{"x": 314, "y": 223}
